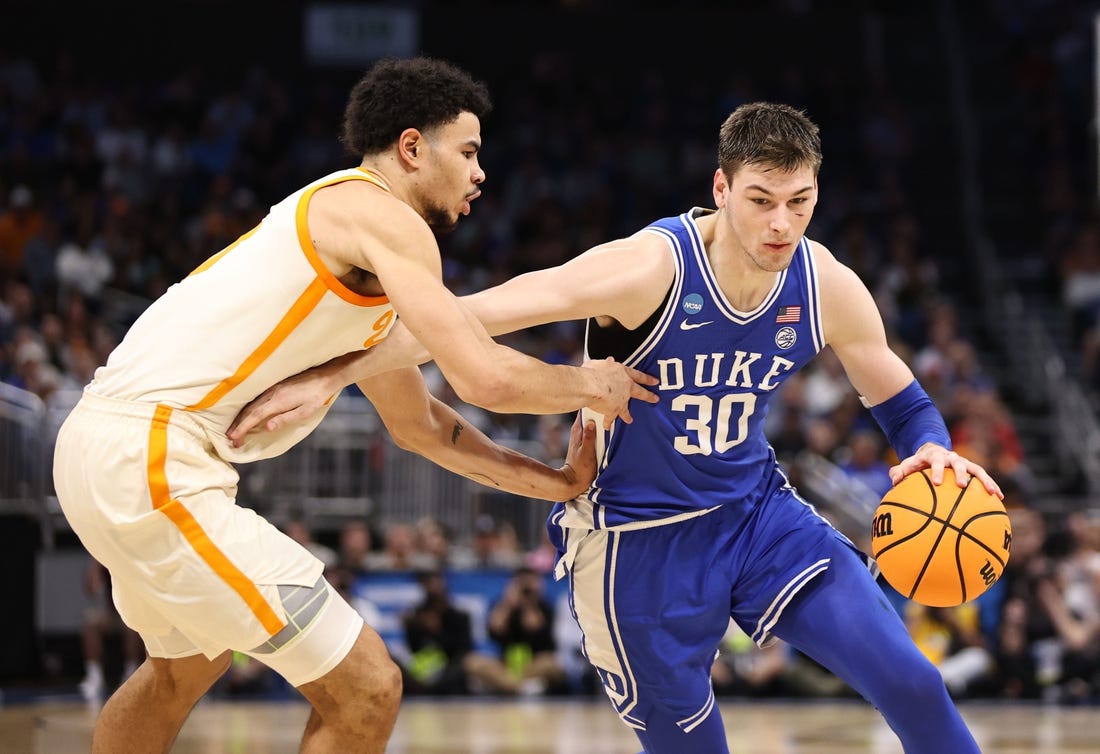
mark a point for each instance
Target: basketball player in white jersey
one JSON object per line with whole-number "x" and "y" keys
{"x": 690, "y": 520}
{"x": 143, "y": 469}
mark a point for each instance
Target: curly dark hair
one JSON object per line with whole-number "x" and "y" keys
{"x": 399, "y": 93}
{"x": 770, "y": 135}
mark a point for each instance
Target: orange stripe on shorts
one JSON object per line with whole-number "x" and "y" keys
{"x": 193, "y": 531}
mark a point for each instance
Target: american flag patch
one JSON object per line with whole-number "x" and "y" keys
{"x": 788, "y": 314}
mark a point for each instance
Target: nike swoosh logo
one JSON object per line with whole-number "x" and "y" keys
{"x": 685, "y": 325}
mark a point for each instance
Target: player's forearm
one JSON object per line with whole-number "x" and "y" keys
{"x": 521, "y": 384}
{"x": 453, "y": 443}
{"x": 399, "y": 349}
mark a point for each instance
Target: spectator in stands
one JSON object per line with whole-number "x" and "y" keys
{"x": 21, "y": 221}
{"x": 1079, "y": 272}
{"x": 100, "y": 620}
{"x": 985, "y": 431}
{"x": 952, "y": 639}
{"x": 492, "y": 546}
{"x": 351, "y": 556}
{"x": 1072, "y": 601}
{"x": 433, "y": 540}
{"x": 399, "y": 551}
{"x": 946, "y": 358}
{"x": 866, "y": 462}
{"x": 744, "y": 669}
{"x": 522, "y": 625}
{"x": 1028, "y": 650}
{"x": 440, "y": 640}
{"x": 83, "y": 265}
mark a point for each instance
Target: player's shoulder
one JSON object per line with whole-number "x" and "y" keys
{"x": 831, "y": 272}
{"x": 361, "y": 206}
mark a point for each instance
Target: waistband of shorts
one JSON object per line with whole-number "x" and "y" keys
{"x": 143, "y": 410}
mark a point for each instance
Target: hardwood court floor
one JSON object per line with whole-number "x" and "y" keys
{"x": 561, "y": 727}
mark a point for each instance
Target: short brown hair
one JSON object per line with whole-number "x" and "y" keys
{"x": 770, "y": 135}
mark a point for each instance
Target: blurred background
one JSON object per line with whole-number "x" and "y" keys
{"x": 959, "y": 182}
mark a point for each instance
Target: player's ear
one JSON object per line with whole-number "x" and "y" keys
{"x": 720, "y": 188}
{"x": 410, "y": 146}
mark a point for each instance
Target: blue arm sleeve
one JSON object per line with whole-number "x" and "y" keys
{"x": 910, "y": 419}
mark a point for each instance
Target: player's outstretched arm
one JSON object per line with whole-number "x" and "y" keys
{"x": 911, "y": 422}
{"x": 421, "y": 423}
{"x": 401, "y": 251}
{"x": 625, "y": 279}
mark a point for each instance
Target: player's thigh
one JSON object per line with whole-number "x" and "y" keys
{"x": 844, "y": 621}
{"x": 324, "y": 638}
{"x": 652, "y": 609}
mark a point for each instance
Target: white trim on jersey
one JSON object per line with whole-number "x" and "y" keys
{"x": 813, "y": 298}
{"x": 715, "y": 290}
{"x": 675, "y": 293}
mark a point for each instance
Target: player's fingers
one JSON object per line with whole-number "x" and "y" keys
{"x": 962, "y": 473}
{"x": 641, "y": 377}
{"x": 285, "y": 418}
{"x": 642, "y": 394}
{"x": 901, "y": 470}
{"x": 246, "y": 420}
{"x": 936, "y": 468}
{"x": 588, "y": 435}
{"x": 987, "y": 481}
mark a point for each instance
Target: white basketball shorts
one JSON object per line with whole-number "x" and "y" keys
{"x": 191, "y": 570}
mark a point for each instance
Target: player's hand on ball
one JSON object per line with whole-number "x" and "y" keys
{"x": 936, "y": 458}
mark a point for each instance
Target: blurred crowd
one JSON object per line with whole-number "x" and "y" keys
{"x": 110, "y": 192}
{"x": 1036, "y": 62}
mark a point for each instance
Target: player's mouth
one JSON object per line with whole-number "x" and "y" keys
{"x": 778, "y": 246}
{"x": 470, "y": 198}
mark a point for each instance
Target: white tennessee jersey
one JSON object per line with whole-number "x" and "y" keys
{"x": 264, "y": 308}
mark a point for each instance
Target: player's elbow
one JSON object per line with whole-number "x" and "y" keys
{"x": 490, "y": 390}
{"x": 411, "y": 436}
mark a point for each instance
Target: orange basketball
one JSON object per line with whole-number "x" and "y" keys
{"x": 940, "y": 545}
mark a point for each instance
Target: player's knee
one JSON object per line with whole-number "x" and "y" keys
{"x": 378, "y": 699}
{"x": 920, "y": 685}
{"x": 185, "y": 680}
{"x": 364, "y": 696}
{"x": 383, "y": 686}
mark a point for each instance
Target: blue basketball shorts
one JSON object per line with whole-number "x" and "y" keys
{"x": 654, "y": 603}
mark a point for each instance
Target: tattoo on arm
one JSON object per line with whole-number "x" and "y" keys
{"x": 456, "y": 432}
{"x": 483, "y": 479}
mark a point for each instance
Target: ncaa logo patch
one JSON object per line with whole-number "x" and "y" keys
{"x": 786, "y": 337}
{"x": 692, "y": 303}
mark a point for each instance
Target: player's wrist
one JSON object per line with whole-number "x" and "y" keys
{"x": 344, "y": 370}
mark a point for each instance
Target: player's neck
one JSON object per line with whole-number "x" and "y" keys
{"x": 388, "y": 174}
{"x": 745, "y": 287}
{"x": 743, "y": 282}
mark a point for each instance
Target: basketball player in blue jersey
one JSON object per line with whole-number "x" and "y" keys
{"x": 690, "y": 520}
{"x": 144, "y": 472}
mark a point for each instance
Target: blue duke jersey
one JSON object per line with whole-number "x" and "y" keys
{"x": 694, "y": 483}
{"x": 703, "y": 444}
